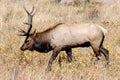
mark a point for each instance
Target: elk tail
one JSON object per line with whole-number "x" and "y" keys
{"x": 103, "y": 30}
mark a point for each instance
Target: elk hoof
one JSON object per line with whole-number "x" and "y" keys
{"x": 107, "y": 64}
{"x": 48, "y": 69}
{"x": 69, "y": 60}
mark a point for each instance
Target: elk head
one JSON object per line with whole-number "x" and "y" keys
{"x": 29, "y": 41}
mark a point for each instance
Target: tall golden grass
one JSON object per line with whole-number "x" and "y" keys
{"x": 18, "y": 65}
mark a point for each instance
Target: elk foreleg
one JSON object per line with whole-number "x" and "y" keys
{"x": 53, "y": 57}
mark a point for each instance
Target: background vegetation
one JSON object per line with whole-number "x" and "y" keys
{"x": 18, "y": 65}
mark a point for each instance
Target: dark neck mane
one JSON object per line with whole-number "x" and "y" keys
{"x": 52, "y": 27}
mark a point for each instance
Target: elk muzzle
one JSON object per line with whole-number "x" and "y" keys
{"x": 22, "y": 48}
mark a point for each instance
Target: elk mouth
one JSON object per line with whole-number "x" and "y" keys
{"x": 23, "y": 49}
{"x": 31, "y": 49}
{"x": 27, "y": 49}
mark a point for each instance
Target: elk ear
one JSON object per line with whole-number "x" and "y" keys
{"x": 34, "y": 33}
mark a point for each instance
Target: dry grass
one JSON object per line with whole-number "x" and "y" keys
{"x": 18, "y": 65}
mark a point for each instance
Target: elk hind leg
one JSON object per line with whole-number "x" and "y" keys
{"x": 69, "y": 54}
{"x": 105, "y": 53}
{"x": 96, "y": 51}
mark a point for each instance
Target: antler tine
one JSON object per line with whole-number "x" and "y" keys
{"x": 32, "y": 9}
{"x": 29, "y": 23}
{"x": 26, "y": 23}
{"x": 22, "y": 31}
{"x": 26, "y": 10}
{"x": 31, "y": 13}
{"x": 22, "y": 35}
{"x": 34, "y": 12}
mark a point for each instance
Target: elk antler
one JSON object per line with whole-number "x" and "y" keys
{"x": 29, "y": 23}
{"x": 22, "y": 31}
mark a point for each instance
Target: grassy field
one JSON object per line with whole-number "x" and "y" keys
{"x": 18, "y": 65}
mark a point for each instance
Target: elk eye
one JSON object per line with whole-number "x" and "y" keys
{"x": 27, "y": 41}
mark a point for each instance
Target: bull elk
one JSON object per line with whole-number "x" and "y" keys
{"x": 64, "y": 37}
